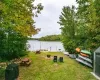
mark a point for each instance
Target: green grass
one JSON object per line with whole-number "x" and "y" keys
{"x": 45, "y": 69}
{"x": 2, "y": 72}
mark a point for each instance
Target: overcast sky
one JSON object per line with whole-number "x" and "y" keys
{"x": 49, "y": 16}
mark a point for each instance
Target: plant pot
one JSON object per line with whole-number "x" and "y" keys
{"x": 48, "y": 56}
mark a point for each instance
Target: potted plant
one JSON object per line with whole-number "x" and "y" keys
{"x": 48, "y": 56}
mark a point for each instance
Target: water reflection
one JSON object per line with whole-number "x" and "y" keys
{"x": 45, "y": 45}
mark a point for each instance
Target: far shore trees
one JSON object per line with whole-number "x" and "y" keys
{"x": 51, "y": 38}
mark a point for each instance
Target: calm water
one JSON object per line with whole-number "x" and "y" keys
{"x": 47, "y": 45}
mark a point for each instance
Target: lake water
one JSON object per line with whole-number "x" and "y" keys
{"x": 45, "y": 45}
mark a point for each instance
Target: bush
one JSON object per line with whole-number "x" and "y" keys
{"x": 12, "y": 45}
{"x": 69, "y": 45}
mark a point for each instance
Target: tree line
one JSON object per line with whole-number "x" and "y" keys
{"x": 80, "y": 26}
{"x": 51, "y": 38}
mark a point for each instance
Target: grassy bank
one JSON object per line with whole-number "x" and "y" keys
{"x": 43, "y": 68}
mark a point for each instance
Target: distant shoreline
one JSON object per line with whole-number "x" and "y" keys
{"x": 48, "y": 38}
{"x": 43, "y": 41}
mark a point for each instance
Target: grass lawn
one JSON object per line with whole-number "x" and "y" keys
{"x": 45, "y": 69}
{"x": 2, "y": 74}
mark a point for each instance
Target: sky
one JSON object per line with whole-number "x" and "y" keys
{"x": 49, "y": 16}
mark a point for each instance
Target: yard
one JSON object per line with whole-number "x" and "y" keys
{"x": 43, "y": 68}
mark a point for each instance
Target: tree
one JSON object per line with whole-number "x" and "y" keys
{"x": 67, "y": 19}
{"x": 18, "y": 14}
{"x": 81, "y": 28}
{"x": 87, "y": 12}
{"x": 16, "y": 24}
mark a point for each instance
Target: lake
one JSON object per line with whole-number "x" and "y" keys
{"x": 45, "y": 45}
